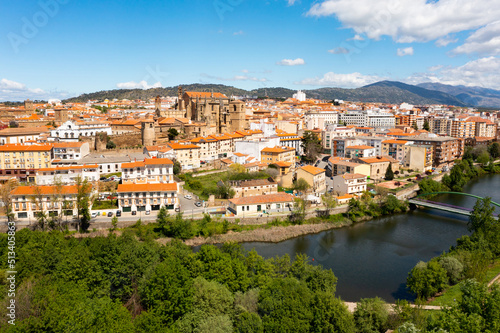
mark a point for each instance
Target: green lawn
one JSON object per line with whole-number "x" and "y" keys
{"x": 105, "y": 204}
{"x": 453, "y": 293}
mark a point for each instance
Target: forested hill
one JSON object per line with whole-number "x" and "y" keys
{"x": 380, "y": 92}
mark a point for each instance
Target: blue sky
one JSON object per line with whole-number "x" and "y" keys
{"x": 62, "y": 48}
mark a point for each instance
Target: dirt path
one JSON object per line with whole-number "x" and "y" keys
{"x": 495, "y": 279}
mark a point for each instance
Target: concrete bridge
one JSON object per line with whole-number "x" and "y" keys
{"x": 446, "y": 207}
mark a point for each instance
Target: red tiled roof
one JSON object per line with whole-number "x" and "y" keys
{"x": 262, "y": 199}
{"x": 162, "y": 187}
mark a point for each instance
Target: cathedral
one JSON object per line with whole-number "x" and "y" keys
{"x": 216, "y": 111}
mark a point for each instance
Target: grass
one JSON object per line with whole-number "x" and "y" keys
{"x": 105, "y": 204}
{"x": 119, "y": 174}
{"x": 453, "y": 293}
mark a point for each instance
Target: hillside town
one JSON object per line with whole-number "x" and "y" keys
{"x": 187, "y": 152}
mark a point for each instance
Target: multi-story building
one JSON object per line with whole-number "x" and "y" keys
{"x": 445, "y": 149}
{"x": 396, "y": 149}
{"x": 254, "y": 147}
{"x": 67, "y": 174}
{"x": 187, "y": 154}
{"x": 378, "y": 165}
{"x": 419, "y": 157}
{"x": 360, "y": 151}
{"x": 253, "y": 187}
{"x": 107, "y": 164}
{"x": 314, "y": 176}
{"x": 342, "y": 166}
{"x": 53, "y": 200}
{"x": 21, "y": 161}
{"x": 208, "y": 147}
{"x": 224, "y": 145}
{"x": 149, "y": 171}
{"x": 349, "y": 183}
{"x": 278, "y": 154}
{"x": 70, "y": 152}
{"x": 319, "y": 119}
{"x": 147, "y": 197}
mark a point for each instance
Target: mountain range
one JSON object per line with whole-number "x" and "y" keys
{"x": 390, "y": 92}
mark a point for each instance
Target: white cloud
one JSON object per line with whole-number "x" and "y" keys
{"x": 483, "y": 72}
{"x": 236, "y": 33}
{"x": 137, "y": 85}
{"x": 244, "y": 70}
{"x": 291, "y": 2}
{"x": 16, "y": 91}
{"x": 444, "y": 41}
{"x": 406, "y": 51}
{"x": 357, "y": 37}
{"x": 435, "y": 68}
{"x": 352, "y": 80}
{"x": 409, "y": 20}
{"x": 483, "y": 41}
{"x": 339, "y": 50}
{"x": 290, "y": 62}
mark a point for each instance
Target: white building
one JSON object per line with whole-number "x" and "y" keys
{"x": 267, "y": 127}
{"x": 67, "y": 174}
{"x": 300, "y": 96}
{"x": 349, "y": 183}
{"x": 253, "y": 148}
{"x": 71, "y": 131}
{"x": 368, "y": 118}
{"x": 70, "y": 152}
{"x": 149, "y": 171}
{"x": 320, "y": 119}
{"x": 147, "y": 197}
{"x": 268, "y": 203}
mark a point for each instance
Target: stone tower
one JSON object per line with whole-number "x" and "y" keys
{"x": 148, "y": 133}
{"x": 158, "y": 106}
{"x": 237, "y": 116}
{"x": 28, "y": 106}
{"x": 61, "y": 116}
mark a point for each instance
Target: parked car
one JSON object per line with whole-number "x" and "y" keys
{"x": 197, "y": 204}
{"x": 103, "y": 178}
{"x": 110, "y": 214}
{"x": 134, "y": 212}
{"x": 118, "y": 213}
{"x": 94, "y": 214}
{"x": 188, "y": 196}
{"x": 148, "y": 212}
{"x": 177, "y": 209}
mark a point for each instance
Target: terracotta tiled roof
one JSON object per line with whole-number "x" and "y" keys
{"x": 278, "y": 149}
{"x": 399, "y": 142}
{"x": 312, "y": 169}
{"x": 263, "y": 199}
{"x": 18, "y": 147}
{"x": 353, "y": 176}
{"x": 178, "y": 146}
{"x": 359, "y": 147}
{"x": 378, "y": 159}
{"x": 148, "y": 161}
{"x": 44, "y": 190}
{"x": 72, "y": 167}
{"x": 161, "y": 187}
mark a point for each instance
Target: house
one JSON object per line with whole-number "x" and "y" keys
{"x": 315, "y": 177}
{"x": 67, "y": 174}
{"x": 378, "y": 165}
{"x": 349, "y": 183}
{"x": 149, "y": 171}
{"x": 339, "y": 166}
{"x": 269, "y": 203}
{"x": 253, "y": 187}
{"x": 360, "y": 151}
{"x": 187, "y": 154}
{"x": 53, "y": 200}
{"x": 70, "y": 152}
{"x": 21, "y": 135}
{"x": 147, "y": 197}
{"x": 278, "y": 154}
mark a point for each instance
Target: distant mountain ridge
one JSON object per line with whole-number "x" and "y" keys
{"x": 474, "y": 96}
{"x": 381, "y": 92}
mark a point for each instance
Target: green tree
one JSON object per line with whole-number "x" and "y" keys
{"x": 389, "y": 175}
{"x": 83, "y": 189}
{"x": 301, "y": 185}
{"x": 483, "y": 158}
{"x": 172, "y": 134}
{"x": 110, "y": 145}
{"x": 427, "y": 279}
{"x": 371, "y": 315}
{"x": 311, "y": 146}
{"x": 114, "y": 223}
{"x": 330, "y": 314}
{"x": 177, "y": 167}
{"x": 494, "y": 150}
{"x": 415, "y": 126}
{"x": 426, "y": 127}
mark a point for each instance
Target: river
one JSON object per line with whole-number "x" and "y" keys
{"x": 373, "y": 258}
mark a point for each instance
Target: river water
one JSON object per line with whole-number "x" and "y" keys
{"x": 373, "y": 258}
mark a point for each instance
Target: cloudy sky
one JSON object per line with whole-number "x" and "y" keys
{"x": 62, "y": 48}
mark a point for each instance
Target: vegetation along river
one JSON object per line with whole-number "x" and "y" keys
{"x": 373, "y": 258}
